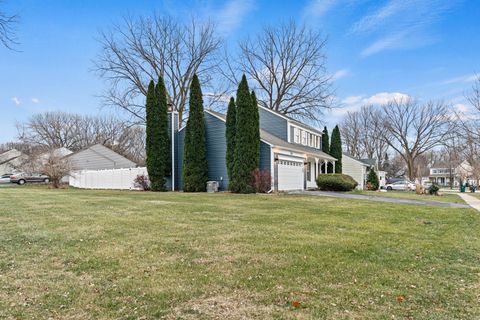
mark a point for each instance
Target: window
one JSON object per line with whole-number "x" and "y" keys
{"x": 309, "y": 171}
{"x": 304, "y": 138}
{"x": 296, "y": 135}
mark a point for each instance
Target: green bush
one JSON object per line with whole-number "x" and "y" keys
{"x": 372, "y": 180}
{"x": 433, "y": 189}
{"x": 336, "y": 182}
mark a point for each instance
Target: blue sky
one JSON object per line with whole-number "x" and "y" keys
{"x": 377, "y": 50}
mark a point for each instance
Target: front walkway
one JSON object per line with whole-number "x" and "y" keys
{"x": 471, "y": 200}
{"x": 385, "y": 199}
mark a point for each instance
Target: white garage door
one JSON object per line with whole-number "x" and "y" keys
{"x": 290, "y": 175}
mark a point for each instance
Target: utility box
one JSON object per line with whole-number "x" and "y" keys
{"x": 212, "y": 186}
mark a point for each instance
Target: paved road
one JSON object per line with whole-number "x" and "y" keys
{"x": 383, "y": 199}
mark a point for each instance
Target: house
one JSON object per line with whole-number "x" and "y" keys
{"x": 459, "y": 172}
{"x": 98, "y": 157}
{"x": 290, "y": 151}
{"x": 11, "y": 161}
{"x": 358, "y": 170}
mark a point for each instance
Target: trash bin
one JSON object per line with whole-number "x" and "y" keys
{"x": 212, "y": 186}
{"x": 462, "y": 188}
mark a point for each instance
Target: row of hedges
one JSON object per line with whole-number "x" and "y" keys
{"x": 336, "y": 182}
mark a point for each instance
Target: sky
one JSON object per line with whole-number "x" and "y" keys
{"x": 376, "y": 50}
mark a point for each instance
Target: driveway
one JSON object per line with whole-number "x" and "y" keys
{"x": 380, "y": 199}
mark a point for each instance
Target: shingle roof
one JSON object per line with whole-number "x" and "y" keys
{"x": 277, "y": 142}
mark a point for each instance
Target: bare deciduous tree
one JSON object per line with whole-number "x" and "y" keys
{"x": 364, "y": 134}
{"x": 351, "y": 132}
{"x": 143, "y": 49}
{"x": 55, "y": 166}
{"x": 414, "y": 128}
{"x": 288, "y": 67}
{"x": 52, "y": 130}
{"x": 7, "y": 29}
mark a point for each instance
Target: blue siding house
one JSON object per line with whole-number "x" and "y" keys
{"x": 289, "y": 150}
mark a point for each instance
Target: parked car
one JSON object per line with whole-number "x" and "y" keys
{"x": 427, "y": 184}
{"x": 401, "y": 185}
{"x": 23, "y": 178}
{"x": 5, "y": 178}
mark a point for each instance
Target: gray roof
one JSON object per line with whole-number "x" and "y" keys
{"x": 369, "y": 162}
{"x": 277, "y": 142}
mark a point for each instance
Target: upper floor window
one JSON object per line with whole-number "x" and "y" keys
{"x": 296, "y": 135}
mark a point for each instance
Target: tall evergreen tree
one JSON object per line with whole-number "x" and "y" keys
{"x": 325, "y": 141}
{"x": 326, "y": 148}
{"x": 163, "y": 147}
{"x": 246, "y": 154}
{"x": 256, "y": 128}
{"x": 195, "y": 168}
{"x": 336, "y": 149}
{"x": 230, "y": 134}
{"x": 150, "y": 132}
{"x": 157, "y": 141}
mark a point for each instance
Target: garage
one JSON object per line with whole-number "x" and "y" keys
{"x": 290, "y": 175}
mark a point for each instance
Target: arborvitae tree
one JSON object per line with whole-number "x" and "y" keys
{"x": 163, "y": 148}
{"x": 372, "y": 178}
{"x": 156, "y": 135}
{"x": 150, "y": 131}
{"x": 230, "y": 134}
{"x": 325, "y": 141}
{"x": 256, "y": 129}
{"x": 195, "y": 169}
{"x": 326, "y": 148}
{"x": 336, "y": 149}
{"x": 246, "y": 153}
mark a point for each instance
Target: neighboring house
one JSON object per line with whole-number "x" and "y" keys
{"x": 289, "y": 150}
{"x": 98, "y": 157}
{"x": 59, "y": 152}
{"x": 11, "y": 161}
{"x": 442, "y": 172}
{"x": 358, "y": 169}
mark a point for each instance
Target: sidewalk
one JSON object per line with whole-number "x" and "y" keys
{"x": 383, "y": 199}
{"x": 470, "y": 200}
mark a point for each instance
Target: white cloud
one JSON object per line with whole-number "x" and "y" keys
{"x": 232, "y": 14}
{"x": 16, "y": 101}
{"x": 35, "y": 100}
{"x": 461, "y": 79}
{"x": 460, "y": 107}
{"x": 401, "y": 24}
{"x": 352, "y": 100}
{"x": 317, "y": 8}
{"x": 385, "y": 97}
{"x": 340, "y": 74}
{"x": 373, "y": 20}
{"x": 352, "y": 103}
{"x": 388, "y": 42}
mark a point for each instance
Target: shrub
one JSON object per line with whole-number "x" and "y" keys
{"x": 372, "y": 180}
{"x": 262, "y": 181}
{"x": 433, "y": 189}
{"x": 142, "y": 182}
{"x": 336, "y": 182}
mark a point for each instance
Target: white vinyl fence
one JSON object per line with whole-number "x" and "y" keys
{"x": 106, "y": 179}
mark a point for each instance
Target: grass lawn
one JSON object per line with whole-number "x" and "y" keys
{"x": 443, "y": 197}
{"x": 80, "y": 254}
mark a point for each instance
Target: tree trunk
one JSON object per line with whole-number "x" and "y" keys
{"x": 410, "y": 167}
